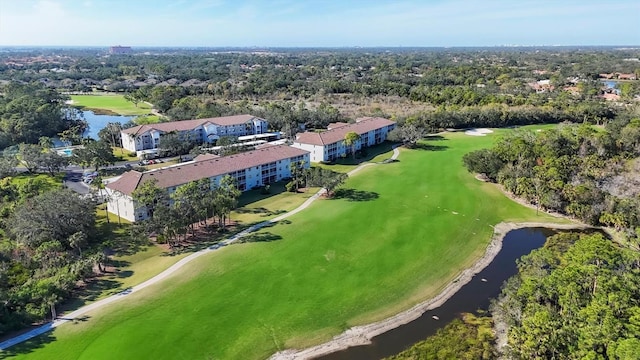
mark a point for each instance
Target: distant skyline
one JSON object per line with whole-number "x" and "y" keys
{"x": 318, "y": 23}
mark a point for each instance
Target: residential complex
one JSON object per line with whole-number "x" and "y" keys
{"x": 329, "y": 145}
{"x": 120, "y": 50}
{"x": 250, "y": 169}
{"x": 146, "y": 137}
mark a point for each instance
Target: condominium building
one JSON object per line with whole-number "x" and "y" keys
{"x": 250, "y": 170}
{"x": 145, "y": 137}
{"x": 330, "y": 145}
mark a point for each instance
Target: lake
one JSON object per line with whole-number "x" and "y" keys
{"x": 98, "y": 122}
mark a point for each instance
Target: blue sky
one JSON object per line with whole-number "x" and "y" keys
{"x": 300, "y": 23}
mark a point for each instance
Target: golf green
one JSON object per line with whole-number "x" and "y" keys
{"x": 407, "y": 229}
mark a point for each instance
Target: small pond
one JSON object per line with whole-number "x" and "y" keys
{"x": 98, "y": 122}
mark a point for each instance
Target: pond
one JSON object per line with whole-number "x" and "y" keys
{"x": 475, "y": 295}
{"x": 98, "y": 122}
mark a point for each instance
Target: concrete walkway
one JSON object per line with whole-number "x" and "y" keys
{"x": 70, "y": 317}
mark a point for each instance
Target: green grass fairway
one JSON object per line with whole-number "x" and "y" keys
{"x": 339, "y": 263}
{"x": 110, "y": 104}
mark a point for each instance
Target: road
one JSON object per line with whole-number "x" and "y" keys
{"x": 73, "y": 180}
{"x": 73, "y": 174}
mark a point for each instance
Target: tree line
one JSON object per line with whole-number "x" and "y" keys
{"x": 31, "y": 111}
{"x": 49, "y": 244}
{"x": 574, "y": 169}
{"x": 469, "y": 338}
{"x": 172, "y": 216}
{"x": 575, "y": 298}
{"x": 307, "y": 72}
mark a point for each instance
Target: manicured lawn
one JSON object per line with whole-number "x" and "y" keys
{"x": 123, "y": 154}
{"x": 267, "y": 207}
{"x": 142, "y": 265}
{"x": 113, "y": 104}
{"x": 131, "y": 264}
{"x": 147, "y": 119}
{"x": 47, "y": 181}
{"x": 337, "y": 264}
{"x": 374, "y": 154}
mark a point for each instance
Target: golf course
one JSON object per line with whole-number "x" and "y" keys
{"x": 399, "y": 233}
{"x": 110, "y": 105}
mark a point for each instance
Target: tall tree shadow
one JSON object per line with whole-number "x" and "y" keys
{"x": 93, "y": 289}
{"x": 258, "y": 210}
{"x": 28, "y": 346}
{"x": 355, "y": 195}
{"x": 260, "y": 237}
{"x": 435, "y": 138}
{"x": 429, "y": 147}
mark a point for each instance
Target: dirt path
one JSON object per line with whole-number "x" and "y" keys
{"x": 166, "y": 273}
{"x": 362, "y": 335}
{"x": 154, "y": 111}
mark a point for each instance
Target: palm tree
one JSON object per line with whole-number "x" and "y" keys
{"x": 351, "y": 139}
{"x": 45, "y": 142}
{"x": 78, "y": 240}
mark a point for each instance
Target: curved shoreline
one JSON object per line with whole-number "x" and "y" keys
{"x": 362, "y": 335}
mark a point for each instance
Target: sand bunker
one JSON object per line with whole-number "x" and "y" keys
{"x": 478, "y": 132}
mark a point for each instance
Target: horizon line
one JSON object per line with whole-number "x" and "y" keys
{"x": 631, "y": 46}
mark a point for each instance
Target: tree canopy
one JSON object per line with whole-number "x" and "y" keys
{"x": 575, "y": 298}
{"x": 51, "y": 232}
{"x": 574, "y": 169}
{"x": 54, "y": 215}
{"x": 30, "y": 111}
{"x": 95, "y": 153}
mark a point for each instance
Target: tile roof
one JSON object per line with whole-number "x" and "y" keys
{"x": 336, "y": 125}
{"x": 184, "y": 125}
{"x": 127, "y": 182}
{"x": 204, "y": 168}
{"x": 206, "y": 157}
{"x": 361, "y": 126}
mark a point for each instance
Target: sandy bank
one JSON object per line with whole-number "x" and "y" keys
{"x": 362, "y": 335}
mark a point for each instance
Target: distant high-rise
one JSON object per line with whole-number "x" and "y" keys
{"x": 120, "y": 50}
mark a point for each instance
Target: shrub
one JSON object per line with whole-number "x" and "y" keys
{"x": 291, "y": 186}
{"x": 483, "y": 161}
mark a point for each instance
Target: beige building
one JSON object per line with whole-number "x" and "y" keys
{"x": 329, "y": 145}
{"x": 146, "y": 137}
{"x": 250, "y": 169}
